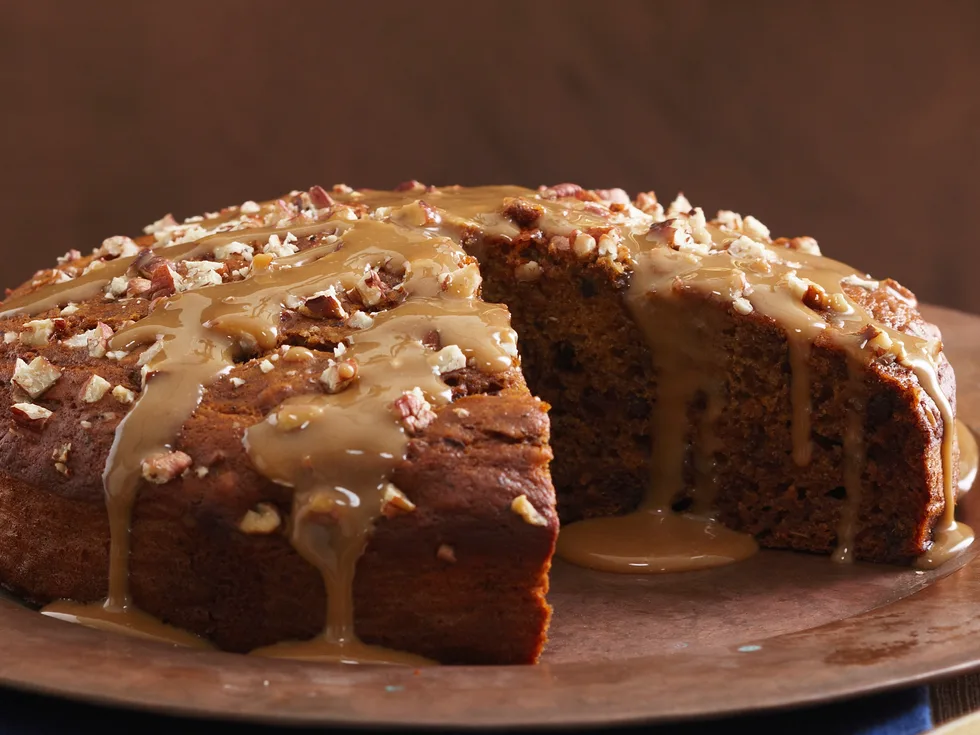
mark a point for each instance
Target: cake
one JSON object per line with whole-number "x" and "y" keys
{"x": 303, "y": 427}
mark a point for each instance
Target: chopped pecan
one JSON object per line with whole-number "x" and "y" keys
{"x": 95, "y": 388}
{"x": 338, "y": 375}
{"x": 263, "y": 519}
{"x": 319, "y": 197}
{"x": 143, "y": 263}
{"x": 800, "y": 244}
{"x": 97, "y": 339}
{"x": 164, "y": 467}
{"x": 163, "y": 280}
{"x": 29, "y": 415}
{"x": 816, "y": 298}
{"x": 447, "y": 359}
{"x": 324, "y": 305}
{"x": 523, "y": 212}
{"x": 646, "y": 201}
{"x": 35, "y": 378}
{"x": 562, "y": 190}
{"x": 613, "y": 196}
{"x": 60, "y": 457}
{"x": 413, "y": 410}
{"x": 395, "y": 502}
{"x": 70, "y": 257}
{"x": 526, "y": 510}
{"x": 370, "y": 288}
{"x": 37, "y": 332}
{"x": 410, "y": 186}
{"x": 138, "y": 286}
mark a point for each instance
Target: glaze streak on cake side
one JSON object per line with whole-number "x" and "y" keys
{"x": 596, "y": 285}
{"x": 808, "y": 297}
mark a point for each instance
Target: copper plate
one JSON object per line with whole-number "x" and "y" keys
{"x": 779, "y": 630}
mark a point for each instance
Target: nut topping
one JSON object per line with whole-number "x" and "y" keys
{"x": 35, "y": 378}
{"x": 447, "y": 359}
{"x": 324, "y": 305}
{"x": 360, "y": 320}
{"x": 60, "y": 456}
{"x": 338, "y": 375}
{"x": 164, "y": 467}
{"x": 95, "y": 389}
{"x": 223, "y": 252}
{"x": 371, "y": 288}
{"x": 37, "y": 332}
{"x": 529, "y": 271}
{"x": 30, "y": 415}
{"x": 394, "y": 502}
{"x": 263, "y": 519}
{"x": 123, "y": 395}
{"x": 117, "y": 247}
{"x": 524, "y": 212}
{"x": 414, "y": 410}
{"x": 526, "y": 510}
{"x": 583, "y": 245}
{"x": 816, "y": 298}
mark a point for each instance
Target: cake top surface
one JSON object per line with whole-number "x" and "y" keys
{"x": 270, "y": 259}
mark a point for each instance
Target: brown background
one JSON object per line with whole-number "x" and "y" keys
{"x": 855, "y": 122}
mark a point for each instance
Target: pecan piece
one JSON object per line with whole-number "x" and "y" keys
{"x": 412, "y": 186}
{"x": 320, "y": 198}
{"x": 523, "y": 212}
{"x": 338, "y": 375}
{"x": 164, "y": 467}
{"x": 816, "y": 298}
{"x": 413, "y": 410}
{"x": 35, "y": 378}
{"x": 29, "y": 415}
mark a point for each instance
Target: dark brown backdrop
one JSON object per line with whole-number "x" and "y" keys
{"x": 855, "y": 122}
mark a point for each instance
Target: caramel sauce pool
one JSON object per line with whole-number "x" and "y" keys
{"x": 652, "y": 541}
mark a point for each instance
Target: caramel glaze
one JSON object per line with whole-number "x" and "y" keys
{"x": 337, "y": 449}
{"x": 806, "y": 295}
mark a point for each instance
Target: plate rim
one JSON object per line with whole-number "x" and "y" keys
{"x": 965, "y": 578}
{"x": 548, "y": 696}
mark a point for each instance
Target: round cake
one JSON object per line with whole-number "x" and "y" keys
{"x": 343, "y": 424}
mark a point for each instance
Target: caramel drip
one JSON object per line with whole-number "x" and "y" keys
{"x": 337, "y": 451}
{"x": 949, "y": 537}
{"x": 968, "y": 456}
{"x": 132, "y": 622}
{"x": 854, "y": 462}
{"x": 654, "y": 538}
